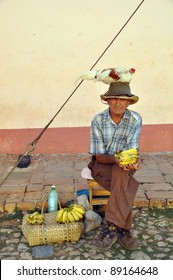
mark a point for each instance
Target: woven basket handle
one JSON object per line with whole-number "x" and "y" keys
{"x": 44, "y": 201}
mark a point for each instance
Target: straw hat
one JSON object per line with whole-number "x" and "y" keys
{"x": 120, "y": 90}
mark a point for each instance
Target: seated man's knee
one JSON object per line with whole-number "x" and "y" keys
{"x": 118, "y": 170}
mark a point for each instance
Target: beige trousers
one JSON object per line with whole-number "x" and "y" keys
{"x": 122, "y": 186}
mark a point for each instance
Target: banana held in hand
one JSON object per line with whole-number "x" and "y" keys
{"x": 128, "y": 156}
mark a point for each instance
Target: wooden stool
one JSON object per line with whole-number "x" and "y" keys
{"x": 97, "y": 194}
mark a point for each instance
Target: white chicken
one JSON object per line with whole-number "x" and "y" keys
{"x": 108, "y": 76}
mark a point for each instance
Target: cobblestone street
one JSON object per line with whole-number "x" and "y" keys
{"x": 153, "y": 227}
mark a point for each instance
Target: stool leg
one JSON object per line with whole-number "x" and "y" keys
{"x": 90, "y": 197}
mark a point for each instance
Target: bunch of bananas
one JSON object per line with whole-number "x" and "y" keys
{"x": 35, "y": 218}
{"x": 128, "y": 156}
{"x": 72, "y": 213}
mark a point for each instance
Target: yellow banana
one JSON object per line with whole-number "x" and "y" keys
{"x": 128, "y": 162}
{"x": 59, "y": 215}
{"x": 132, "y": 151}
{"x": 78, "y": 213}
{"x": 39, "y": 219}
{"x": 35, "y": 213}
{"x": 79, "y": 208}
{"x": 30, "y": 220}
{"x": 64, "y": 216}
{"x": 76, "y": 217}
{"x": 67, "y": 220}
{"x": 128, "y": 156}
{"x": 124, "y": 156}
{"x": 72, "y": 213}
{"x": 129, "y": 151}
{"x": 35, "y": 218}
{"x": 39, "y": 216}
{"x": 70, "y": 217}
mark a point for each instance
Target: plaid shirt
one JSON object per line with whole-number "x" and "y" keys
{"x": 106, "y": 136}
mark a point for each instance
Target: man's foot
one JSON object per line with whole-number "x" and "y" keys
{"x": 127, "y": 240}
{"x": 106, "y": 238}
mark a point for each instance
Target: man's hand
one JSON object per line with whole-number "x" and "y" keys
{"x": 136, "y": 166}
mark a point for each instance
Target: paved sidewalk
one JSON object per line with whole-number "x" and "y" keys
{"x": 26, "y": 188}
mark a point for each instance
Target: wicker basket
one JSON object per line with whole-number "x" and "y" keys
{"x": 51, "y": 231}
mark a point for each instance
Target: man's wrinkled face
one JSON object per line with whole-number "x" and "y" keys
{"x": 117, "y": 105}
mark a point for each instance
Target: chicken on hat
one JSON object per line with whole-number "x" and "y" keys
{"x": 118, "y": 79}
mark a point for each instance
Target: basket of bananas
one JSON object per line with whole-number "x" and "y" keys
{"x": 66, "y": 224}
{"x": 128, "y": 156}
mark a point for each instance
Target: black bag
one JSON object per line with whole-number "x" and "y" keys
{"x": 25, "y": 161}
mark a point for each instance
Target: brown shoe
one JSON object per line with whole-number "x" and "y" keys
{"x": 129, "y": 242}
{"x": 106, "y": 238}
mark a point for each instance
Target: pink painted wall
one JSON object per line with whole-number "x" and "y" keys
{"x": 154, "y": 138}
